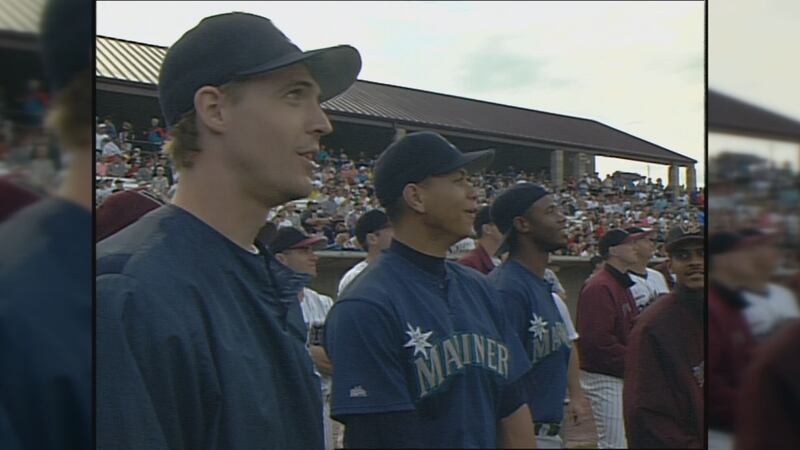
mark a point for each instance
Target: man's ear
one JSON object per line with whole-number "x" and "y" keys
{"x": 521, "y": 224}
{"x": 372, "y": 239}
{"x": 414, "y": 196}
{"x": 209, "y": 104}
{"x": 281, "y": 258}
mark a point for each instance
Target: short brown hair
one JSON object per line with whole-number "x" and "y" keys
{"x": 69, "y": 117}
{"x": 182, "y": 145}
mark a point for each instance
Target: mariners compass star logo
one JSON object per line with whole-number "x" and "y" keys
{"x": 418, "y": 340}
{"x": 538, "y": 327}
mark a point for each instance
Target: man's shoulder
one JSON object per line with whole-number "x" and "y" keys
{"x": 663, "y": 312}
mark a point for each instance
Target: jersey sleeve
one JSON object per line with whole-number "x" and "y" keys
{"x": 146, "y": 380}
{"x": 368, "y": 374}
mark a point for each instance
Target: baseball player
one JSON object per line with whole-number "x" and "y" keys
{"x": 482, "y": 258}
{"x": 664, "y": 361}
{"x": 374, "y": 234}
{"x": 730, "y": 341}
{"x": 295, "y": 250}
{"x": 422, "y": 352}
{"x": 648, "y": 284}
{"x": 606, "y": 313}
{"x": 197, "y": 343}
{"x": 771, "y": 391}
{"x": 45, "y": 293}
{"x": 770, "y": 307}
{"x": 533, "y": 226}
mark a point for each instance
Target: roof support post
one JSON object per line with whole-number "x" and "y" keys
{"x": 557, "y": 167}
{"x": 691, "y": 178}
{"x": 399, "y": 133}
{"x": 674, "y": 180}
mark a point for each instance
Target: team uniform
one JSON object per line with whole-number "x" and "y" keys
{"x": 665, "y": 373}
{"x": 315, "y": 308}
{"x": 771, "y": 391}
{"x": 537, "y": 320}
{"x": 350, "y": 275}
{"x": 427, "y": 337}
{"x": 606, "y": 313}
{"x": 767, "y": 313}
{"x": 730, "y": 350}
{"x": 480, "y": 260}
{"x": 46, "y": 327}
{"x": 647, "y": 287}
{"x": 200, "y": 343}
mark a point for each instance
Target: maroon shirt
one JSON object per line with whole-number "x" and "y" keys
{"x": 664, "y": 374}
{"x": 606, "y": 313}
{"x": 478, "y": 259}
{"x": 771, "y": 391}
{"x": 730, "y": 351}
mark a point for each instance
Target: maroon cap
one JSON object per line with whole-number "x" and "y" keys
{"x": 122, "y": 209}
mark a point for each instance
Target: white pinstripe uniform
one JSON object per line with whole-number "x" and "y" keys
{"x": 605, "y": 394}
{"x": 315, "y": 308}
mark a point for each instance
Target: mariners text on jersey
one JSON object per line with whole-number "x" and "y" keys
{"x": 450, "y": 356}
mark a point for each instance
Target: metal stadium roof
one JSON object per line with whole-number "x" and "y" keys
{"x": 20, "y": 16}
{"x": 726, "y": 113}
{"x": 136, "y": 64}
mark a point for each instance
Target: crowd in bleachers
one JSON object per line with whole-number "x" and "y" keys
{"x": 343, "y": 191}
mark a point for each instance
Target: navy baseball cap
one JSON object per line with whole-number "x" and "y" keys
{"x": 512, "y": 203}
{"x": 728, "y": 241}
{"x": 370, "y": 222}
{"x": 67, "y": 39}
{"x": 238, "y": 45}
{"x": 613, "y": 238}
{"x": 418, "y": 156}
{"x": 289, "y": 238}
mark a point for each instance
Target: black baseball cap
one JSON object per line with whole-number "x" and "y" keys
{"x": 289, "y": 238}
{"x": 678, "y": 237}
{"x": 418, "y": 156}
{"x": 67, "y": 39}
{"x": 613, "y": 238}
{"x": 370, "y": 222}
{"x": 512, "y": 203}
{"x": 238, "y": 45}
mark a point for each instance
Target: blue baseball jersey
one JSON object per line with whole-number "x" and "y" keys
{"x": 403, "y": 339}
{"x": 200, "y": 343}
{"x": 534, "y": 316}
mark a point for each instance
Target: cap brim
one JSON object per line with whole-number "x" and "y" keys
{"x": 334, "y": 68}
{"x": 471, "y": 162}
{"x": 316, "y": 243}
{"x": 636, "y": 236}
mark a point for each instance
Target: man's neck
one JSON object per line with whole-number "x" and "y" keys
{"x": 422, "y": 238}
{"x": 531, "y": 257}
{"x": 639, "y": 268}
{"x": 77, "y": 186}
{"x": 372, "y": 255}
{"x": 618, "y": 264}
{"x": 217, "y": 201}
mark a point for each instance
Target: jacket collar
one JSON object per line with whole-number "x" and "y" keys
{"x": 622, "y": 278}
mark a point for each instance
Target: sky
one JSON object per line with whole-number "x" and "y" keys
{"x": 635, "y": 66}
{"x": 753, "y": 55}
